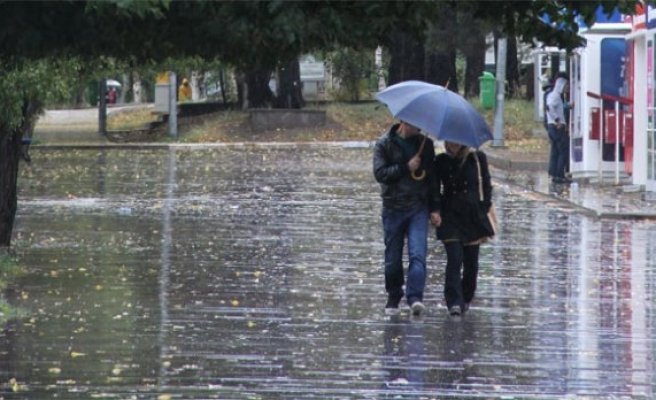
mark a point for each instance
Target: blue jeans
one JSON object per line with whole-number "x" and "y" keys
{"x": 399, "y": 224}
{"x": 559, "y": 154}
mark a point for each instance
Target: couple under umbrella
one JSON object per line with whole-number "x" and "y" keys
{"x": 452, "y": 190}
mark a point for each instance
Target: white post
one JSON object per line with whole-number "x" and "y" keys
{"x": 378, "y": 57}
{"x": 173, "y": 105}
{"x": 602, "y": 128}
{"x": 501, "y": 91}
{"x": 617, "y": 142}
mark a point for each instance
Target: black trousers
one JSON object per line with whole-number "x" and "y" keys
{"x": 461, "y": 273}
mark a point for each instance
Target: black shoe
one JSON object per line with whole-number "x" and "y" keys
{"x": 392, "y": 305}
{"x": 455, "y": 311}
{"x": 562, "y": 180}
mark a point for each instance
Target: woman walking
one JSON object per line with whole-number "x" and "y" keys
{"x": 465, "y": 189}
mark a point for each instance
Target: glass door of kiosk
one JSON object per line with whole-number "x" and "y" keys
{"x": 651, "y": 116}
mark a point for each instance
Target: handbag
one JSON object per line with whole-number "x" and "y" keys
{"x": 488, "y": 220}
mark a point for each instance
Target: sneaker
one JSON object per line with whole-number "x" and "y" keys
{"x": 455, "y": 311}
{"x": 417, "y": 308}
{"x": 465, "y": 308}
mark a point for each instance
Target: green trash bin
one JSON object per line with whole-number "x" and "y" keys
{"x": 488, "y": 89}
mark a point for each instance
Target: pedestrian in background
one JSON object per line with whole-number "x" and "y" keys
{"x": 402, "y": 165}
{"x": 558, "y": 132}
{"x": 184, "y": 91}
{"x": 465, "y": 190}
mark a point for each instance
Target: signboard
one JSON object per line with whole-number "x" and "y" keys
{"x": 312, "y": 71}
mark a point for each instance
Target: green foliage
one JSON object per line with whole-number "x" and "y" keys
{"x": 39, "y": 81}
{"x": 353, "y": 69}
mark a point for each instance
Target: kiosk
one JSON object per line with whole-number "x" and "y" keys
{"x": 642, "y": 42}
{"x": 598, "y": 91}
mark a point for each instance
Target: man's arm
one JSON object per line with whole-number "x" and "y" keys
{"x": 384, "y": 170}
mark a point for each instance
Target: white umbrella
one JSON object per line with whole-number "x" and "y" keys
{"x": 113, "y": 82}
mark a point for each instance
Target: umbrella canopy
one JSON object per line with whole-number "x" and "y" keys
{"x": 438, "y": 111}
{"x": 113, "y": 82}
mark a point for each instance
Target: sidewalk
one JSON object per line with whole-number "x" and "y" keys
{"x": 605, "y": 200}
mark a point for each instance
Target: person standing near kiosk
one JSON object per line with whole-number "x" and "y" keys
{"x": 558, "y": 131}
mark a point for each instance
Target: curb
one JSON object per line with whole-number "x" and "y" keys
{"x": 514, "y": 165}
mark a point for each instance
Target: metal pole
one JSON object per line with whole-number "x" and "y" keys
{"x": 173, "y": 106}
{"x": 501, "y": 91}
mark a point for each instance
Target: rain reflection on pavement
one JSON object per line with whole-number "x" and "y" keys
{"x": 255, "y": 272}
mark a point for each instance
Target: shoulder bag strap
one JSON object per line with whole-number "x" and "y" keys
{"x": 480, "y": 179}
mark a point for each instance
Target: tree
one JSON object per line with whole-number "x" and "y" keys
{"x": 471, "y": 43}
{"x": 441, "y": 48}
{"x": 351, "y": 67}
{"x": 24, "y": 89}
{"x": 37, "y": 42}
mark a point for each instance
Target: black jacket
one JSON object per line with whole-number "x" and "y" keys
{"x": 462, "y": 208}
{"x": 398, "y": 189}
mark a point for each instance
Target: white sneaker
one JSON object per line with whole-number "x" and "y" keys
{"x": 417, "y": 308}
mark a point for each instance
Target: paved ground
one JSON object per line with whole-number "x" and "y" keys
{"x": 71, "y": 126}
{"x": 254, "y": 272}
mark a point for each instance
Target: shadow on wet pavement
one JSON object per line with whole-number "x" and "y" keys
{"x": 256, "y": 273}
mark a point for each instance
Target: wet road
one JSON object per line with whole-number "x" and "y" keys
{"x": 256, "y": 273}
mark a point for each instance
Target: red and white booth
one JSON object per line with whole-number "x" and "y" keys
{"x": 642, "y": 43}
{"x": 601, "y": 116}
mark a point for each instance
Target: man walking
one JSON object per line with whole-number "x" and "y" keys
{"x": 402, "y": 165}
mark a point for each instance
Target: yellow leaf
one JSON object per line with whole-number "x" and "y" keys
{"x": 75, "y": 354}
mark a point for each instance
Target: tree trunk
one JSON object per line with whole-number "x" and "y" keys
{"x": 222, "y": 81}
{"x": 475, "y": 63}
{"x": 290, "y": 88}
{"x": 9, "y": 156}
{"x": 406, "y": 58}
{"x": 242, "y": 97}
{"x": 80, "y": 95}
{"x": 124, "y": 89}
{"x": 259, "y": 93}
{"x": 10, "y": 150}
{"x": 136, "y": 88}
{"x": 441, "y": 69}
{"x": 512, "y": 68}
{"x": 440, "y": 46}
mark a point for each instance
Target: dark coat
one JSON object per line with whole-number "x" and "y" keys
{"x": 461, "y": 208}
{"x": 397, "y": 188}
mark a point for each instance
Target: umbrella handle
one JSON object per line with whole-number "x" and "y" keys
{"x": 419, "y": 176}
{"x": 421, "y": 146}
